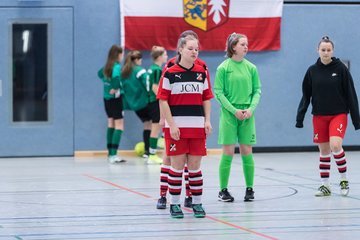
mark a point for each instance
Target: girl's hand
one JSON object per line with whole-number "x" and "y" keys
{"x": 247, "y": 113}
{"x": 208, "y": 128}
{"x": 175, "y": 132}
{"x": 239, "y": 114}
{"x": 243, "y": 114}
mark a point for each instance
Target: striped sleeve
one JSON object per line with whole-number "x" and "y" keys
{"x": 164, "y": 87}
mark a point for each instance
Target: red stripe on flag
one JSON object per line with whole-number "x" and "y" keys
{"x": 142, "y": 33}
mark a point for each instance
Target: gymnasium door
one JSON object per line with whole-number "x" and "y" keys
{"x": 36, "y": 82}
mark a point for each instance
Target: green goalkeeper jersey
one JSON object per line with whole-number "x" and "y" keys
{"x": 237, "y": 83}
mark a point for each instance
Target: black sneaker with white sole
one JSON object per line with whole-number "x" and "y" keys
{"x": 161, "y": 204}
{"x": 225, "y": 196}
{"x": 249, "y": 194}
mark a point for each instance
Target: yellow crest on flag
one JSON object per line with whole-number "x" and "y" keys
{"x": 195, "y": 13}
{"x": 206, "y": 14}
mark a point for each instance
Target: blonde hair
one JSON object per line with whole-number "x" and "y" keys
{"x": 157, "y": 51}
{"x": 181, "y": 43}
{"x": 189, "y": 33}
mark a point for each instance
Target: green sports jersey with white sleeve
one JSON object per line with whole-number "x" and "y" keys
{"x": 113, "y": 83}
{"x": 136, "y": 89}
{"x": 237, "y": 84}
{"x": 154, "y": 72}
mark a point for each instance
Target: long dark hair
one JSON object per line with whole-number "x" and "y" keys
{"x": 113, "y": 56}
{"x": 129, "y": 63}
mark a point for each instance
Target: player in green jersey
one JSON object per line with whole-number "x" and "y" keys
{"x": 110, "y": 74}
{"x": 237, "y": 88}
{"x": 135, "y": 82}
{"x": 159, "y": 57}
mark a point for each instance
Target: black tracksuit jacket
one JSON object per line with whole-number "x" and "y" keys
{"x": 330, "y": 88}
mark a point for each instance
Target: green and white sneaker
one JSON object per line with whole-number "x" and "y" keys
{"x": 115, "y": 159}
{"x": 198, "y": 210}
{"x": 323, "y": 191}
{"x": 344, "y": 187}
{"x": 175, "y": 211}
{"x": 154, "y": 159}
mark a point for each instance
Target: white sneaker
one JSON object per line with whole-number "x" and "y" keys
{"x": 323, "y": 191}
{"x": 115, "y": 159}
{"x": 344, "y": 187}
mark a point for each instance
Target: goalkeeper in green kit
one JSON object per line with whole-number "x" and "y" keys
{"x": 237, "y": 88}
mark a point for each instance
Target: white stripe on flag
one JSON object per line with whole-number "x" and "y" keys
{"x": 122, "y": 24}
{"x": 169, "y": 8}
{"x": 255, "y": 8}
{"x": 174, "y": 8}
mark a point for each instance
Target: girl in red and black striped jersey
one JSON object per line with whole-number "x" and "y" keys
{"x": 184, "y": 94}
{"x": 164, "y": 172}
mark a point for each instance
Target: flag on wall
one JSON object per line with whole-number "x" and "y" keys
{"x": 145, "y": 23}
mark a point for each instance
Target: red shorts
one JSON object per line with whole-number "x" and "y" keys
{"x": 191, "y": 146}
{"x": 329, "y": 126}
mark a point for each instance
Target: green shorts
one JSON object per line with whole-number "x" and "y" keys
{"x": 233, "y": 130}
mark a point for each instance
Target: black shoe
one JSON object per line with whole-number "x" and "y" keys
{"x": 249, "y": 194}
{"x": 161, "y": 204}
{"x": 225, "y": 196}
{"x": 198, "y": 210}
{"x": 175, "y": 211}
{"x": 188, "y": 202}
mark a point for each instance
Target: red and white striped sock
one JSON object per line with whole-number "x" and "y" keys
{"x": 175, "y": 185}
{"x": 186, "y": 177}
{"x": 324, "y": 168}
{"x": 164, "y": 173}
{"x": 341, "y": 162}
{"x": 196, "y": 185}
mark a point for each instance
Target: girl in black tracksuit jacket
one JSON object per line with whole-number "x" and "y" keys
{"x": 329, "y": 87}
